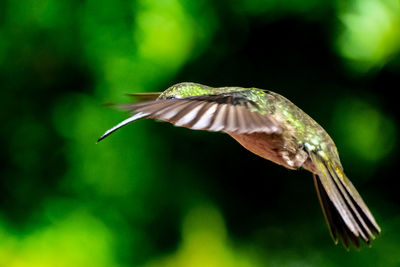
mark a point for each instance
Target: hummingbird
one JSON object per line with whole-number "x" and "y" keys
{"x": 272, "y": 127}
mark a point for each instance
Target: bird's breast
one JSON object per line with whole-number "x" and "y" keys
{"x": 272, "y": 147}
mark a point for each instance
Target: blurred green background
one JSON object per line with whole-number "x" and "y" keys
{"x": 157, "y": 195}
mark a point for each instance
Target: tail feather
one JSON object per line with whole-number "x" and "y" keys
{"x": 360, "y": 205}
{"x": 350, "y": 200}
{"x": 346, "y": 214}
{"x": 326, "y": 208}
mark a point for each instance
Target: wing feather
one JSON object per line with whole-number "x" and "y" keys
{"x": 219, "y": 120}
{"x": 173, "y": 111}
{"x": 133, "y": 118}
{"x": 231, "y": 122}
{"x": 241, "y": 122}
{"x": 253, "y": 120}
{"x": 205, "y": 116}
{"x": 188, "y": 114}
{"x": 145, "y": 96}
{"x": 214, "y": 113}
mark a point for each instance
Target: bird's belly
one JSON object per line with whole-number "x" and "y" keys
{"x": 268, "y": 146}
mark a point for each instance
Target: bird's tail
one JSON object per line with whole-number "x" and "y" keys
{"x": 347, "y": 216}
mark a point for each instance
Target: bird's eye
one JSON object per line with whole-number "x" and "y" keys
{"x": 170, "y": 97}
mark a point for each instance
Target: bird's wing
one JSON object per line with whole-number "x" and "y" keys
{"x": 145, "y": 96}
{"x": 231, "y": 112}
{"x": 347, "y": 215}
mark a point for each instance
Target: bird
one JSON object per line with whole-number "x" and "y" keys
{"x": 272, "y": 127}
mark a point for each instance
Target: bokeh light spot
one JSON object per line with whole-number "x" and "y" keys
{"x": 205, "y": 243}
{"x": 78, "y": 239}
{"x": 371, "y": 33}
{"x": 164, "y": 32}
{"x": 366, "y": 133}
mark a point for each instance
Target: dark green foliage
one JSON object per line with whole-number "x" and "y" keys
{"x": 156, "y": 194}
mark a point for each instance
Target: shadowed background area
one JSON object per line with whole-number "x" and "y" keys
{"x": 157, "y": 195}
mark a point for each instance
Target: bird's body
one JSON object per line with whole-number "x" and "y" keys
{"x": 270, "y": 126}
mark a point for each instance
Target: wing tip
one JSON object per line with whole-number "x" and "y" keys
{"x": 107, "y": 133}
{"x": 133, "y": 118}
{"x": 101, "y": 138}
